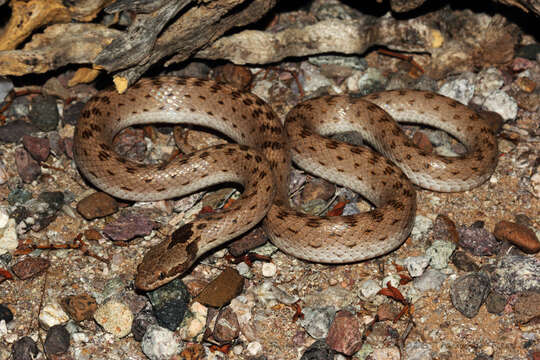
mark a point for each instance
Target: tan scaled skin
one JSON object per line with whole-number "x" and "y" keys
{"x": 260, "y": 162}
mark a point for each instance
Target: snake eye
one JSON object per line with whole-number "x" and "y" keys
{"x": 161, "y": 276}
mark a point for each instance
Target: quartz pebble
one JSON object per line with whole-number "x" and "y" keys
{"x": 115, "y": 318}
{"x": 52, "y": 314}
{"x": 254, "y": 348}
{"x": 269, "y": 269}
{"x": 159, "y": 343}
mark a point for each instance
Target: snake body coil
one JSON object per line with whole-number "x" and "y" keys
{"x": 260, "y": 162}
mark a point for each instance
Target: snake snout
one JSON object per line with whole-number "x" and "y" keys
{"x": 162, "y": 263}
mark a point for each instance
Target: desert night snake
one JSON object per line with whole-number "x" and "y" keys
{"x": 260, "y": 162}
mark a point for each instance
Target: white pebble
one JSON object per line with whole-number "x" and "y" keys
{"x": 52, "y": 314}
{"x": 369, "y": 288}
{"x": 3, "y": 328}
{"x": 269, "y": 269}
{"x": 254, "y": 348}
{"x": 416, "y": 265}
{"x": 194, "y": 324}
{"x": 79, "y": 337}
{"x": 159, "y": 343}
{"x": 237, "y": 349}
{"x": 8, "y": 233}
{"x": 244, "y": 270}
{"x": 392, "y": 279}
{"x": 501, "y": 103}
{"x": 4, "y": 177}
{"x": 116, "y": 318}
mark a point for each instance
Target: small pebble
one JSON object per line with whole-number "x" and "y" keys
{"x": 417, "y": 350}
{"x": 388, "y": 311}
{"x": 464, "y": 262}
{"x": 439, "y": 253}
{"x": 392, "y": 279}
{"x": 527, "y": 307}
{"x": 115, "y": 318}
{"x": 519, "y": 235}
{"x": 129, "y": 226}
{"x": 194, "y": 323}
{"x": 238, "y": 76}
{"x": 6, "y": 86}
{"x": 4, "y": 176}
{"x": 468, "y": 293}
{"x": 319, "y": 350}
{"x": 57, "y": 340}
{"x": 68, "y": 145}
{"x": 445, "y": 229}
{"x": 96, "y": 205}
{"x": 13, "y": 131}
{"x": 24, "y": 349}
{"x": 51, "y": 315}
{"x": 317, "y": 321}
{"x": 142, "y": 321}
{"x": 8, "y": 233}
{"x": 247, "y": 242}
{"x": 478, "y": 241}
{"x": 44, "y": 113}
{"x": 38, "y": 148}
{"x": 369, "y": 288}
{"x": 27, "y": 167}
{"x": 431, "y": 279}
{"x": 422, "y": 225}
{"x": 170, "y": 303}
{"x": 515, "y": 274}
{"x": 244, "y": 270}
{"x": 226, "y": 328}
{"x": 495, "y": 303}
{"x": 254, "y": 348}
{"x": 30, "y": 267}
{"x": 5, "y": 313}
{"x": 422, "y": 141}
{"x": 416, "y": 265}
{"x": 159, "y": 343}
{"x": 501, "y": 103}
{"x": 386, "y": 353}
{"x": 130, "y": 143}
{"x": 269, "y": 269}
{"x": 222, "y": 289}
{"x": 345, "y": 334}
{"x": 79, "y": 307}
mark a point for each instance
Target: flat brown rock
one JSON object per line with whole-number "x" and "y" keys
{"x": 517, "y": 234}
{"x": 97, "y": 205}
{"x": 222, "y": 289}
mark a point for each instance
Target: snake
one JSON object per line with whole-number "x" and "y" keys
{"x": 258, "y": 159}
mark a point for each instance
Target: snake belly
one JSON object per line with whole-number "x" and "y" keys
{"x": 261, "y": 160}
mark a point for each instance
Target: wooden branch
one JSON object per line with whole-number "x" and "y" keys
{"x": 138, "y": 42}
{"x": 342, "y": 36}
{"x": 57, "y": 46}
{"x": 196, "y": 28}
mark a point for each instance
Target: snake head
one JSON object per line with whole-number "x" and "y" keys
{"x": 167, "y": 260}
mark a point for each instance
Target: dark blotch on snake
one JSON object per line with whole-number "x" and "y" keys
{"x": 181, "y": 235}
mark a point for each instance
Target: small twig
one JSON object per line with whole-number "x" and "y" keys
{"x": 407, "y": 58}
{"x": 77, "y": 244}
